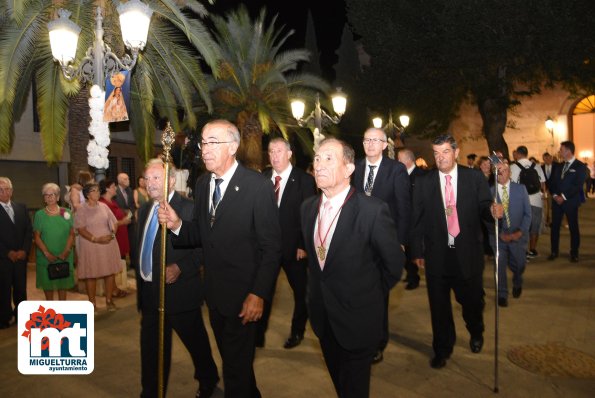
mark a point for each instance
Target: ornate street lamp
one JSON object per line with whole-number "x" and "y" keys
{"x": 99, "y": 62}
{"x": 550, "y": 125}
{"x": 393, "y": 131}
{"x": 318, "y": 117}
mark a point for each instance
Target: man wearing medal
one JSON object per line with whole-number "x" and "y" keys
{"x": 449, "y": 205}
{"x": 354, "y": 259}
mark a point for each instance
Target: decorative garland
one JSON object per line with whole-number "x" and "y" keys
{"x": 97, "y": 148}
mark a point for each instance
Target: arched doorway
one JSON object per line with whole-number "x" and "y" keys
{"x": 583, "y": 128}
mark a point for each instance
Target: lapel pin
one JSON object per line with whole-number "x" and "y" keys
{"x": 237, "y": 188}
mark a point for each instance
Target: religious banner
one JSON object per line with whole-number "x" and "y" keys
{"x": 117, "y": 97}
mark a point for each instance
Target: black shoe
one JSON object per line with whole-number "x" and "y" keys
{"x": 293, "y": 341}
{"x": 438, "y": 362}
{"x": 553, "y": 256}
{"x": 502, "y": 302}
{"x": 378, "y": 357}
{"x": 532, "y": 254}
{"x": 574, "y": 259}
{"x": 517, "y": 291}
{"x": 476, "y": 344}
{"x": 412, "y": 285}
{"x": 205, "y": 391}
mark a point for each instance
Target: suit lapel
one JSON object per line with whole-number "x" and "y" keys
{"x": 437, "y": 195}
{"x": 232, "y": 193}
{"x": 310, "y": 217}
{"x": 290, "y": 187}
{"x": 358, "y": 175}
{"x": 381, "y": 175}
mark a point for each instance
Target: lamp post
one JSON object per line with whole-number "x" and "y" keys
{"x": 549, "y": 125}
{"x": 393, "y": 131}
{"x": 318, "y": 117}
{"x": 99, "y": 62}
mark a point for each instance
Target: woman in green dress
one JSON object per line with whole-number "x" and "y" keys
{"x": 54, "y": 237}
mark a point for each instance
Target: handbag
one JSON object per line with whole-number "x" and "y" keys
{"x": 59, "y": 270}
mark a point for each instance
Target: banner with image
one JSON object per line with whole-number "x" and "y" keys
{"x": 117, "y": 97}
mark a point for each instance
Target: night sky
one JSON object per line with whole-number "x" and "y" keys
{"x": 328, "y": 15}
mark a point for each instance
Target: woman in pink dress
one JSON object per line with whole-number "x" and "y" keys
{"x": 99, "y": 255}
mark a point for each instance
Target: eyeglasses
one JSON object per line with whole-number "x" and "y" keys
{"x": 5, "y": 189}
{"x": 49, "y": 194}
{"x": 206, "y": 144}
{"x": 373, "y": 140}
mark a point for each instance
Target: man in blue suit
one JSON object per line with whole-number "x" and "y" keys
{"x": 513, "y": 233}
{"x": 566, "y": 187}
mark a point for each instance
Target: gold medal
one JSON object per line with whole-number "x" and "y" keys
{"x": 321, "y": 250}
{"x": 448, "y": 211}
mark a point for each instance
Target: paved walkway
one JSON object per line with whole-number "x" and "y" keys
{"x": 556, "y": 311}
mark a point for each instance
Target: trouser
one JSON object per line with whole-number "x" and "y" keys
{"x": 349, "y": 369}
{"x": 236, "y": 346}
{"x": 13, "y": 288}
{"x": 189, "y": 326}
{"x": 571, "y": 213}
{"x": 511, "y": 255}
{"x": 468, "y": 292}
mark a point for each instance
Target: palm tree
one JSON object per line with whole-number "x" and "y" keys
{"x": 167, "y": 74}
{"x": 254, "y": 84}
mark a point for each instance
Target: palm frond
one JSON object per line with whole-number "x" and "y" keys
{"x": 142, "y": 120}
{"x": 52, "y": 107}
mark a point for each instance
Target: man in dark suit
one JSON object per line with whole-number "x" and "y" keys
{"x": 291, "y": 186}
{"x": 125, "y": 200}
{"x": 236, "y": 222}
{"x": 407, "y": 157}
{"x": 387, "y": 180}
{"x": 548, "y": 167}
{"x": 449, "y": 205}
{"x": 513, "y": 233}
{"x": 354, "y": 258}
{"x": 566, "y": 187}
{"x": 15, "y": 242}
{"x": 183, "y": 291}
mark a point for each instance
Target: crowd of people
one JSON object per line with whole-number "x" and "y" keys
{"x": 343, "y": 237}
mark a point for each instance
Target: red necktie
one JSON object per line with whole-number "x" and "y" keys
{"x": 277, "y": 187}
{"x": 452, "y": 218}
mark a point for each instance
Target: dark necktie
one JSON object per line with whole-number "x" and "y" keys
{"x": 147, "y": 251}
{"x": 370, "y": 181}
{"x": 565, "y": 169}
{"x": 277, "y": 187}
{"x": 216, "y": 198}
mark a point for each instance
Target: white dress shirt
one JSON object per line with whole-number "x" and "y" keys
{"x": 283, "y": 183}
{"x": 337, "y": 202}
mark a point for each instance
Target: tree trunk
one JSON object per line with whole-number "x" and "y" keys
{"x": 250, "y": 151}
{"x": 493, "y": 113}
{"x": 78, "y": 133}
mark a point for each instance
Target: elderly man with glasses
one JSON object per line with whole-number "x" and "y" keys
{"x": 386, "y": 179}
{"x": 237, "y": 224}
